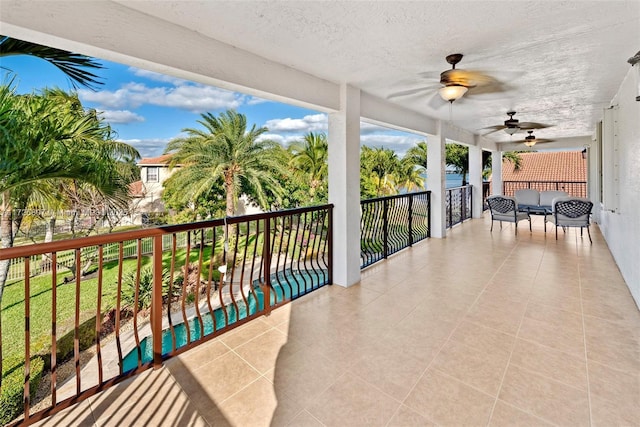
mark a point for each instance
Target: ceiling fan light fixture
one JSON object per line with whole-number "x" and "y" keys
{"x": 452, "y": 93}
{"x": 511, "y": 130}
{"x": 530, "y": 143}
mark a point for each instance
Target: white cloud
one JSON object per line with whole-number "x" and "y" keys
{"x": 310, "y": 123}
{"x": 283, "y": 140}
{"x": 398, "y": 143}
{"x": 254, "y": 100}
{"x": 366, "y": 128}
{"x": 120, "y": 116}
{"x": 151, "y": 147}
{"x": 192, "y": 97}
{"x": 152, "y": 75}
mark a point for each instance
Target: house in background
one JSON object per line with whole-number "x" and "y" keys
{"x": 548, "y": 171}
{"x": 147, "y": 192}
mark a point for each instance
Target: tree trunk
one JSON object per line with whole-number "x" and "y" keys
{"x": 6, "y": 238}
{"x": 48, "y": 237}
{"x": 230, "y": 195}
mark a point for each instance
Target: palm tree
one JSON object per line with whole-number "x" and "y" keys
{"x": 410, "y": 176}
{"x": 310, "y": 160}
{"x": 46, "y": 140}
{"x": 225, "y": 153}
{"x": 74, "y": 65}
{"x": 379, "y": 166}
{"x": 418, "y": 154}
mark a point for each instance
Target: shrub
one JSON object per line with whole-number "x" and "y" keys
{"x": 145, "y": 291}
{"x": 12, "y": 395}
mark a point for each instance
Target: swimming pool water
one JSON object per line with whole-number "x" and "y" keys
{"x": 284, "y": 287}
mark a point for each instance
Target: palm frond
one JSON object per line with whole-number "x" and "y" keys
{"x": 76, "y": 66}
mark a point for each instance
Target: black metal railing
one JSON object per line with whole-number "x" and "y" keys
{"x": 573, "y": 188}
{"x": 486, "y": 192}
{"x": 390, "y": 224}
{"x": 459, "y": 203}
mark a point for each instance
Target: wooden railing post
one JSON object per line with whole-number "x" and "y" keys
{"x": 156, "y": 302}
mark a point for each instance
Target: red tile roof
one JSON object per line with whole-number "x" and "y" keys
{"x": 135, "y": 189}
{"x": 160, "y": 160}
{"x": 547, "y": 166}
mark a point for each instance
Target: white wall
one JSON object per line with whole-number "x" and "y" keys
{"x": 621, "y": 228}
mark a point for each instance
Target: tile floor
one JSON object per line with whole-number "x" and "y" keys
{"x": 478, "y": 329}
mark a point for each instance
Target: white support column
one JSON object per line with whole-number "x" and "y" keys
{"x": 496, "y": 172}
{"x": 475, "y": 179}
{"x": 344, "y": 186}
{"x": 436, "y": 148}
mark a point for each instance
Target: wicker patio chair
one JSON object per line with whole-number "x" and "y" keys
{"x": 571, "y": 212}
{"x": 505, "y": 208}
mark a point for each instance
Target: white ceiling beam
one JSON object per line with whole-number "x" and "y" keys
{"x": 114, "y": 32}
{"x": 378, "y": 111}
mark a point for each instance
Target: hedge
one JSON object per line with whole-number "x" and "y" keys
{"x": 12, "y": 394}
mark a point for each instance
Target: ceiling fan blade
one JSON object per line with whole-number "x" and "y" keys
{"x": 408, "y": 92}
{"x": 432, "y": 75}
{"x": 494, "y": 129}
{"x": 533, "y": 125}
{"x": 538, "y": 141}
{"x": 468, "y": 78}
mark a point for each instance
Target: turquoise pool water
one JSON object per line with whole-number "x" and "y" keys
{"x": 285, "y": 287}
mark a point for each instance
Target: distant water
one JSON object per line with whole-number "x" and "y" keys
{"x": 453, "y": 180}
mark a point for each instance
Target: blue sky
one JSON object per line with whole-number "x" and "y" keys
{"x": 147, "y": 109}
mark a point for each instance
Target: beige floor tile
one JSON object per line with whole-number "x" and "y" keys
{"x": 269, "y": 408}
{"x": 388, "y": 369}
{"x": 262, "y": 352}
{"x": 505, "y": 321}
{"x": 556, "y": 317}
{"x": 303, "y": 376}
{"x": 203, "y": 354}
{"x": 479, "y": 369}
{"x": 305, "y": 419}
{"x": 244, "y": 333}
{"x": 505, "y": 415}
{"x": 610, "y": 413}
{"x": 604, "y": 331}
{"x": 625, "y": 357}
{"x": 351, "y": 401}
{"x": 551, "y": 363}
{"x": 568, "y": 341}
{"x": 448, "y": 401}
{"x": 405, "y": 417}
{"x": 482, "y": 338}
{"x": 217, "y": 380}
{"x": 279, "y": 316}
{"x": 153, "y": 409}
{"x": 544, "y": 397}
{"x": 622, "y": 387}
{"x": 79, "y": 415}
{"x": 130, "y": 391}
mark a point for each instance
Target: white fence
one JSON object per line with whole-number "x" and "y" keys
{"x": 42, "y": 264}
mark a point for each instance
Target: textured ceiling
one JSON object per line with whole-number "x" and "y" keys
{"x": 562, "y": 61}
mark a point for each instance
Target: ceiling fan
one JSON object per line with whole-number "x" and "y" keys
{"x": 512, "y": 125}
{"x": 530, "y": 140}
{"x": 455, "y": 83}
